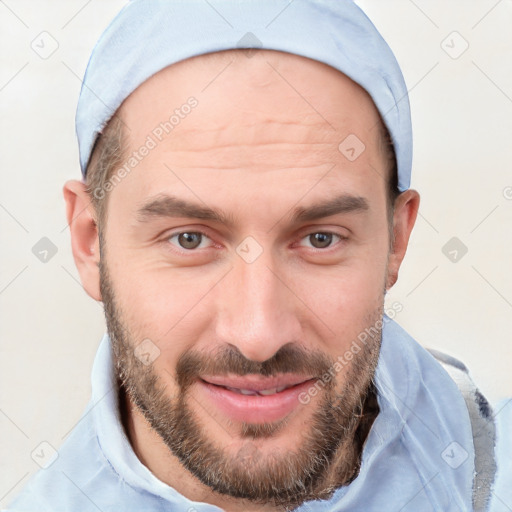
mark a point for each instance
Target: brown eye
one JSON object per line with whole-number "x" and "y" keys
{"x": 188, "y": 239}
{"x": 320, "y": 240}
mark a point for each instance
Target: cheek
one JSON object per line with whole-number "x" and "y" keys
{"x": 345, "y": 299}
{"x": 166, "y": 306}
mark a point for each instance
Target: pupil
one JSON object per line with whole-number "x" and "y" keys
{"x": 320, "y": 240}
{"x": 189, "y": 240}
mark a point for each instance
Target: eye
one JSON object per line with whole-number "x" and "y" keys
{"x": 321, "y": 240}
{"x": 189, "y": 240}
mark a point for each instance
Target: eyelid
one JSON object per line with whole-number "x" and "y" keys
{"x": 340, "y": 231}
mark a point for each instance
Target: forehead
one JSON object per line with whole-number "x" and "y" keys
{"x": 257, "y": 115}
{"x": 269, "y": 86}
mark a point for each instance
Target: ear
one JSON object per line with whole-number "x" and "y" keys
{"x": 84, "y": 235}
{"x": 404, "y": 217}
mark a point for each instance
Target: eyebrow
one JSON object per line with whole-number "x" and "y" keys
{"x": 171, "y": 206}
{"x": 342, "y": 204}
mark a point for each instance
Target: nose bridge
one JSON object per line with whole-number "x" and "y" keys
{"x": 257, "y": 310}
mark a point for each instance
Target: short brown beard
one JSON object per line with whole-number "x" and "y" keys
{"x": 329, "y": 455}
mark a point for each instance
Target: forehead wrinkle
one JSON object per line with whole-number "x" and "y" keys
{"x": 264, "y": 130}
{"x": 260, "y": 148}
{"x": 260, "y": 158}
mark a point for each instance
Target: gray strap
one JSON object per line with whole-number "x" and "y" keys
{"x": 482, "y": 426}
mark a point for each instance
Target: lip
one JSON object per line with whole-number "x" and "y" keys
{"x": 256, "y": 382}
{"x": 254, "y": 408}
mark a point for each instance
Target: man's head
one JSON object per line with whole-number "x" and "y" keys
{"x": 246, "y": 251}
{"x": 241, "y": 222}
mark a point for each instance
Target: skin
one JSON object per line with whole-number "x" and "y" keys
{"x": 262, "y": 141}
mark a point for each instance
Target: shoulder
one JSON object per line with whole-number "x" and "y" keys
{"x": 502, "y": 489}
{"x": 78, "y": 461}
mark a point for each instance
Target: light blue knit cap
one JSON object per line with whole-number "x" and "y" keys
{"x": 149, "y": 35}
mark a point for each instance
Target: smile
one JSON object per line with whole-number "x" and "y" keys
{"x": 253, "y": 398}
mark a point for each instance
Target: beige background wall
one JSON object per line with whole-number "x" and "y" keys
{"x": 462, "y": 114}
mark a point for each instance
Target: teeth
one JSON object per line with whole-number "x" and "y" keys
{"x": 242, "y": 391}
{"x": 272, "y": 391}
{"x": 247, "y": 392}
{"x": 264, "y": 392}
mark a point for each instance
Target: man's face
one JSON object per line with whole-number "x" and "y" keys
{"x": 267, "y": 294}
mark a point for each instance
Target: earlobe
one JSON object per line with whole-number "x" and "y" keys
{"x": 404, "y": 217}
{"x": 84, "y": 235}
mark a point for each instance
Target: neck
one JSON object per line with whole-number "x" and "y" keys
{"x": 155, "y": 455}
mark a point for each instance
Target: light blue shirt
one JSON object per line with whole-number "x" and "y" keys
{"x": 418, "y": 456}
{"x": 501, "y": 496}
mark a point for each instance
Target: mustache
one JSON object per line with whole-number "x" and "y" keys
{"x": 229, "y": 360}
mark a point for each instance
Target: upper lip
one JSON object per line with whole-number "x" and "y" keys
{"x": 256, "y": 382}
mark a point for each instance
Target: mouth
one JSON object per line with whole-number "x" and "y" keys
{"x": 253, "y": 398}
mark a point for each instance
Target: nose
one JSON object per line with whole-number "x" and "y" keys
{"x": 257, "y": 311}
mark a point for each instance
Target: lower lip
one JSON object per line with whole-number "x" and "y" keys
{"x": 254, "y": 408}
